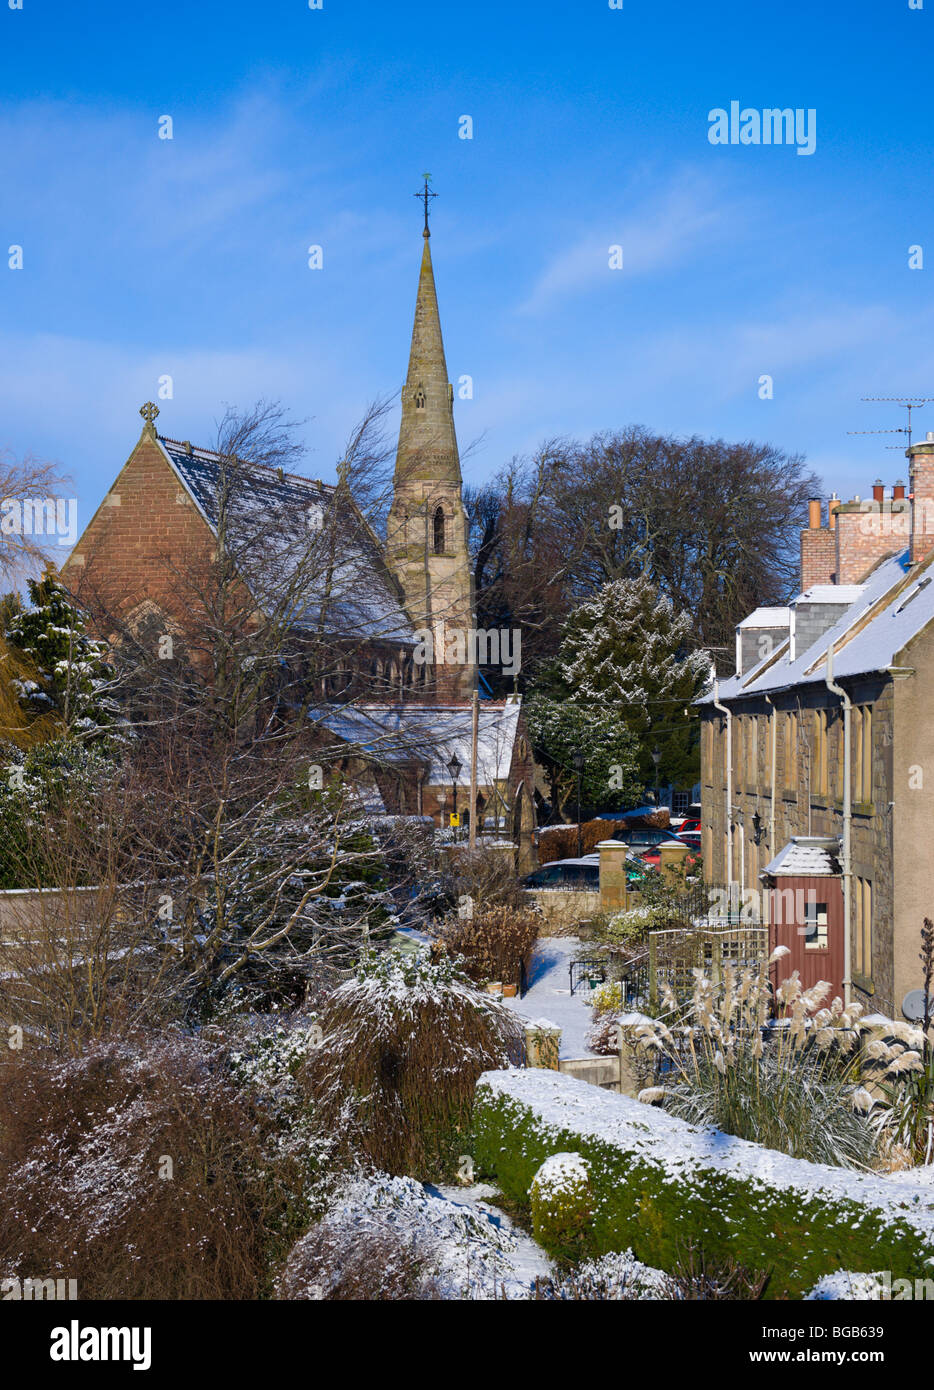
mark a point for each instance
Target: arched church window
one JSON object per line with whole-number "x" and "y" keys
{"x": 439, "y": 531}
{"x": 419, "y": 398}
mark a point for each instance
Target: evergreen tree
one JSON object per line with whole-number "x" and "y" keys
{"x": 70, "y": 674}
{"x": 561, "y": 728}
{"x": 626, "y": 655}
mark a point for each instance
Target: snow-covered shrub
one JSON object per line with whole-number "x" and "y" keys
{"x": 562, "y": 1204}
{"x": 616, "y": 1277}
{"x": 494, "y": 944}
{"x": 137, "y": 1169}
{"x": 422, "y": 1244}
{"x": 300, "y": 1154}
{"x": 335, "y": 1263}
{"x": 403, "y": 1044}
{"x": 855, "y": 1288}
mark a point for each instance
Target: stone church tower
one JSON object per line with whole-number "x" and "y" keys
{"x": 427, "y": 531}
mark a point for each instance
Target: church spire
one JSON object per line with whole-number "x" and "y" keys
{"x": 427, "y": 442}
{"x": 427, "y": 532}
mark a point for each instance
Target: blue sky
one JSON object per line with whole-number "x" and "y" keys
{"x": 295, "y": 127}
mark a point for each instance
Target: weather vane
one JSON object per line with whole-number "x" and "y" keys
{"x": 426, "y": 193}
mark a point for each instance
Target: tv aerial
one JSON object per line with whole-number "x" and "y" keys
{"x": 908, "y": 403}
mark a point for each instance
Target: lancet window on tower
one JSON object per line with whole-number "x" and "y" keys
{"x": 419, "y": 398}
{"x": 439, "y": 531}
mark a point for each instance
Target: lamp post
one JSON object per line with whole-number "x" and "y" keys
{"x": 656, "y": 759}
{"x": 454, "y": 768}
{"x": 578, "y": 761}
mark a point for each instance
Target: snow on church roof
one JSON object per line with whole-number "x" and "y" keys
{"x": 362, "y": 600}
{"x": 431, "y": 733}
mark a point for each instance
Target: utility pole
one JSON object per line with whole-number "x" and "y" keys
{"x": 474, "y": 728}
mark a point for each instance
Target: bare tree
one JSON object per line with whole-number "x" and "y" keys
{"x": 24, "y": 548}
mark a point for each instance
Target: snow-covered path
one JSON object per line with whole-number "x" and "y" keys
{"x": 549, "y": 994}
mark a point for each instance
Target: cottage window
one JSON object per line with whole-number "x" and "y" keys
{"x": 863, "y": 954}
{"x": 791, "y": 751}
{"x": 862, "y": 752}
{"x": 815, "y": 926}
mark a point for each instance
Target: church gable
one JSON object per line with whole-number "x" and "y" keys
{"x": 160, "y": 519}
{"x": 147, "y": 515}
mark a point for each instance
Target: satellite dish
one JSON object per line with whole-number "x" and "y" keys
{"x": 913, "y": 1005}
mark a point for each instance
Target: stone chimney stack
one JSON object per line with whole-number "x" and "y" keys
{"x": 818, "y": 554}
{"x": 868, "y": 530}
{"x": 921, "y": 492}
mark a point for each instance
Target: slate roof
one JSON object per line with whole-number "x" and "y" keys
{"x": 806, "y": 856}
{"x": 893, "y": 605}
{"x": 430, "y": 733}
{"x": 274, "y": 510}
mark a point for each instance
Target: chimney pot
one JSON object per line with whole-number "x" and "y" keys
{"x": 878, "y": 490}
{"x": 814, "y": 513}
{"x": 898, "y": 491}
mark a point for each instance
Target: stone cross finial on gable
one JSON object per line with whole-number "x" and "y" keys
{"x": 149, "y": 411}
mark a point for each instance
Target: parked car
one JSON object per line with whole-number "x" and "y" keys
{"x": 653, "y": 858}
{"x": 582, "y": 874}
{"x": 642, "y": 837}
{"x": 685, "y": 825}
{"x": 579, "y": 874}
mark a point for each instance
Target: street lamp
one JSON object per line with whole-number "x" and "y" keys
{"x": 578, "y": 761}
{"x": 454, "y": 768}
{"x": 756, "y": 828}
{"x": 656, "y": 759}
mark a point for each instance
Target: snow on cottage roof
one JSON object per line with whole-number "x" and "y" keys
{"x": 831, "y": 593}
{"x": 767, "y": 617}
{"x": 362, "y": 600}
{"x": 806, "y": 856}
{"x": 891, "y": 608}
{"x": 430, "y": 733}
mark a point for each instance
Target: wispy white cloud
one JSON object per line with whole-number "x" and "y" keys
{"x": 664, "y": 230}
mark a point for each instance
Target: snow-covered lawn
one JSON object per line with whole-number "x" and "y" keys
{"x": 549, "y": 994}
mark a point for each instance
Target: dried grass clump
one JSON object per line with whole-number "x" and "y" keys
{"x": 133, "y": 1170}
{"x": 792, "y": 1086}
{"x": 404, "y": 1043}
{"x": 486, "y": 876}
{"x": 697, "y": 1278}
{"x": 901, "y": 1064}
{"x": 494, "y": 944}
{"x": 339, "y": 1264}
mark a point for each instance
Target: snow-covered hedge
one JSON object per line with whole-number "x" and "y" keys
{"x": 659, "y": 1185}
